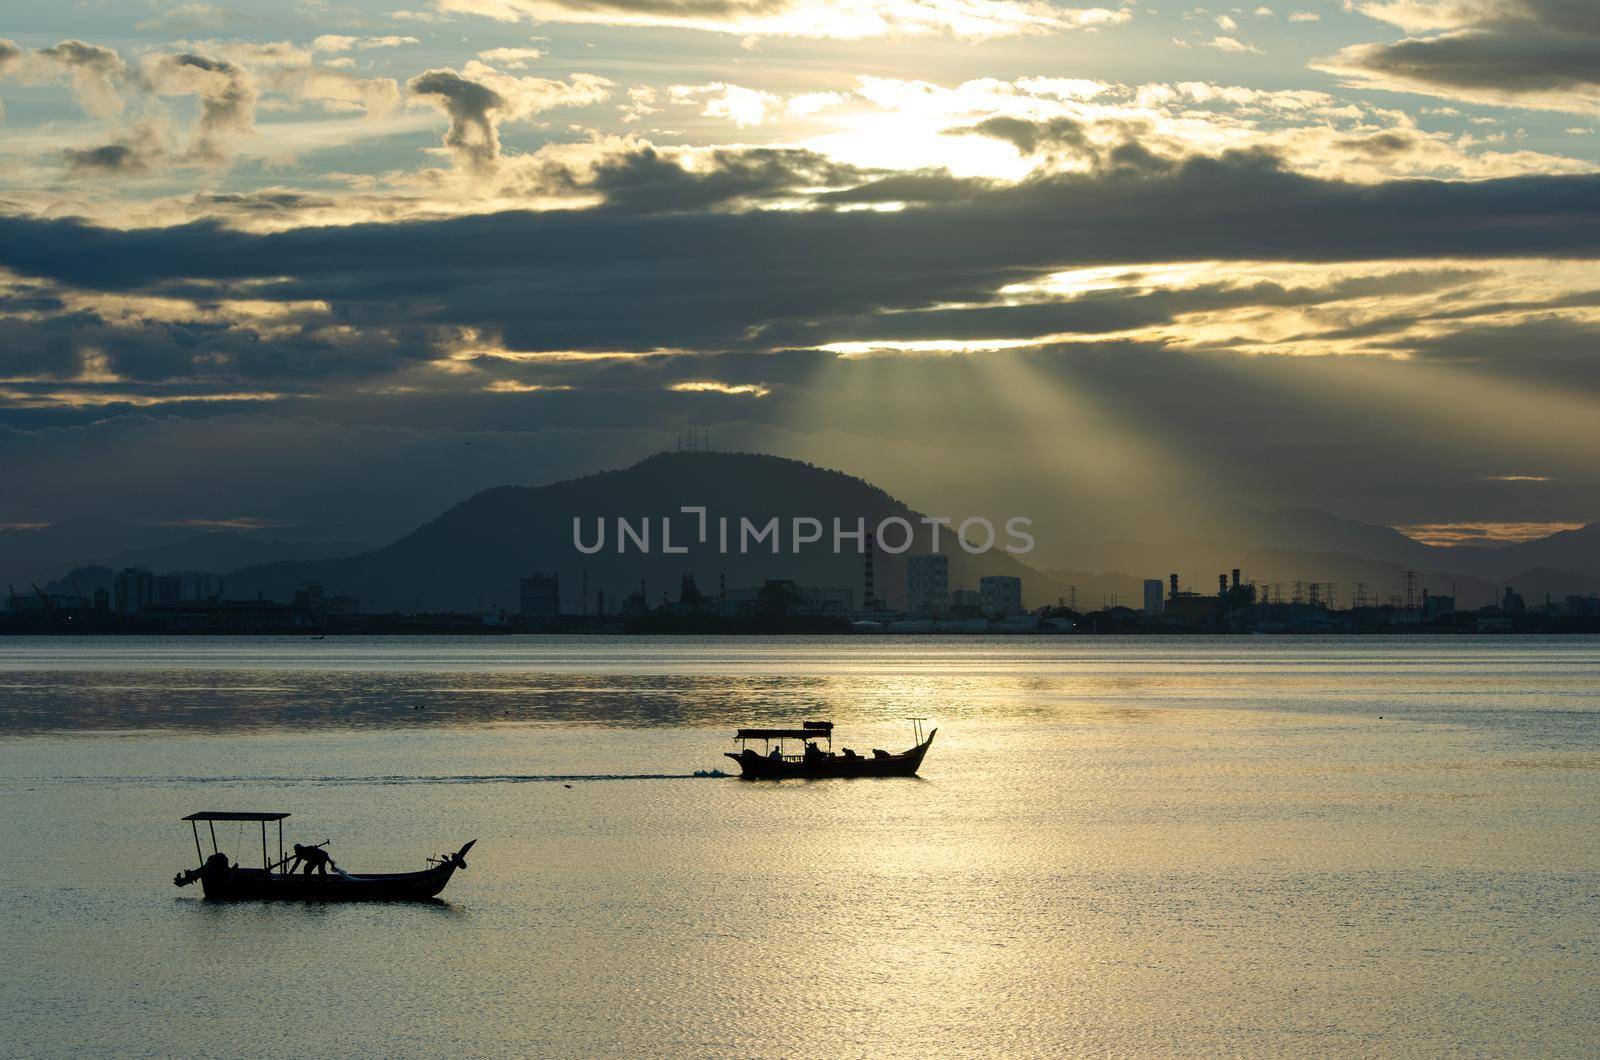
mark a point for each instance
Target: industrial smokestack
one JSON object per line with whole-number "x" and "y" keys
{"x": 1222, "y": 585}
{"x": 1173, "y": 579}
{"x": 1236, "y": 577}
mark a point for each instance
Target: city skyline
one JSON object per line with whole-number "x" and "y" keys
{"x": 469, "y": 569}
{"x": 339, "y": 267}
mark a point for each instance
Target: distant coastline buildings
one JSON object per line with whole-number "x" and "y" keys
{"x": 928, "y": 584}
{"x": 137, "y": 600}
{"x": 1154, "y": 602}
{"x": 1001, "y": 595}
{"x": 539, "y": 599}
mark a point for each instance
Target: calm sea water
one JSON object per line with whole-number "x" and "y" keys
{"x": 1249, "y": 846}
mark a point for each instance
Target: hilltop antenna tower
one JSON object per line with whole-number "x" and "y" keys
{"x": 690, "y": 441}
{"x": 1411, "y": 591}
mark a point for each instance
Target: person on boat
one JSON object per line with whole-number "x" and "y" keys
{"x": 848, "y": 753}
{"x": 314, "y": 858}
{"x": 776, "y": 753}
{"x": 813, "y": 752}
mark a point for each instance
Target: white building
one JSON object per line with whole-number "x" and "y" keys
{"x": 1154, "y": 596}
{"x": 927, "y": 583}
{"x": 1002, "y": 595}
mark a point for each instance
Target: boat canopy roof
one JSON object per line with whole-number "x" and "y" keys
{"x": 234, "y": 815}
{"x": 782, "y": 734}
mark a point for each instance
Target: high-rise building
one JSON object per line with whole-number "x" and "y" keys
{"x": 168, "y": 589}
{"x": 1153, "y": 599}
{"x": 928, "y": 583}
{"x": 198, "y": 585}
{"x": 541, "y": 599}
{"x": 134, "y": 589}
{"x": 1002, "y": 595}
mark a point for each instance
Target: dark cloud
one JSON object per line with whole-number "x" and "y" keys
{"x": 1106, "y": 311}
{"x": 919, "y": 186}
{"x": 1553, "y": 350}
{"x": 1030, "y": 137}
{"x": 227, "y": 100}
{"x": 81, "y": 54}
{"x": 264, "y": 201}
{"x": 473, "y": 135}
{"x": 1528, "y": 63}
{"x": 617, "y": 280}
{"x": 647, "y": 181}
{"x": 370, "y": 308}
{"x": 1379, "y": 146}
{"x": 1117, "y": 151}
{"x": 1542, "y": 53}
{"x": 107, "y": 161}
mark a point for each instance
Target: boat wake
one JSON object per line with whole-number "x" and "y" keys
{"x": 516, "y": 778}
{"x": 457, "y": 778}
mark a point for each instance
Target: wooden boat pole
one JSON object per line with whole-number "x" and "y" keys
{"x": 196, "y": 829}
{"x": 264, "y": 859}
{"x": 213, "y": 826}
{"x": 280, "y": 840}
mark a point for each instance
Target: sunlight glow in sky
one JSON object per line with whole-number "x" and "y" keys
{"x": 1179, "y": 229}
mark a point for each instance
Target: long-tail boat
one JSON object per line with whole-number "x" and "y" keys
{"x": 778, "y": 760}
{"x": 223, "y": 880}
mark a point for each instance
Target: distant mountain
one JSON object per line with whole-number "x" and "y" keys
{"x": 473, "y": 555}
{"x": 1313, "y": 530}
{"x": 221, "y": 551}
{"x": 38, "y": 555}
{"x": 1574, "y": 550}
{"x": 83, "y": 540}
{"x": 91, "y": 552}
{"x": 83, "y": 581}
{"x": 1304, "y": 544}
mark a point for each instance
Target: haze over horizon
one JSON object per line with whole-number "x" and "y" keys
{"x": 1125, "y": 269}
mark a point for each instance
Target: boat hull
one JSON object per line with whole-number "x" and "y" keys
{"x": 759, "y": 767}
{"x": 258, "y": 885}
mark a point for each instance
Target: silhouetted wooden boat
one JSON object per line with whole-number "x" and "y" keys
{"x": 813, "y": 763}
{"x": 222, "y": 880}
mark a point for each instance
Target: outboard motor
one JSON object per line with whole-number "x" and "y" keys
{"x": 216, "y": 865}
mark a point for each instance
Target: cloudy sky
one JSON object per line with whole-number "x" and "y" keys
{"x": 334, "y": 265}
